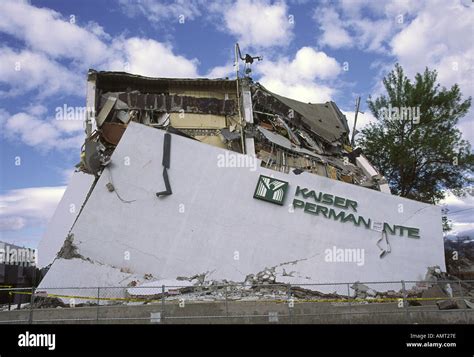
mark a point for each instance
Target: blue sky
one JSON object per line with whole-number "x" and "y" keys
{"x": 313, "y": 51}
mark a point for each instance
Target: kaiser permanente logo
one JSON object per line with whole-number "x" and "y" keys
{"x": 271, "y": 190}
{"x": 325, "y": 205}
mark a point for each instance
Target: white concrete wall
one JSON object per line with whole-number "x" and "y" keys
{"x": 212, "y": 214}
{"x": 63, "y": 218}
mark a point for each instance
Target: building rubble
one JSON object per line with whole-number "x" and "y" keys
{"x": 263, "y": 285}
{"x": 238, "y": 115}
{"x": 450, "y": 292}
{"x": 166, "y": 194}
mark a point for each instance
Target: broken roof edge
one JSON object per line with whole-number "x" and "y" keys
{"x": 105, "y": 78}
{"x": 113, "y": 81}
{"x": 321, "y": 131}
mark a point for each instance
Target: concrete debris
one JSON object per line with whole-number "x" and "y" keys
{"x": 69, "y": 250}
{"x": 451, "y": 285}
{"x": 123, "y": 116}
{"x": 285, "y": 133}
{"x": 447, "y": 304}
{"x": 199, "y": 278}
{"x": 433, "y": 274}
{"x": 460, "y": 304}
{"x": 463, "y": 249}
{"x": 47, "y": 303}
{"x": 469, "y": 304}
{"x": 363, "y": 291}
{"x": 264, "y": 277}
{"x": 432, "y": 292}
{"x": 264, "y": 286}
{"x": 105, "y": 111}
{"x": 154, "y": 288}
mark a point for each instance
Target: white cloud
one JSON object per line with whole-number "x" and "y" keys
{"x": 151, "y": 58}
{"x": 159, "y": 11}
{"x": 254, "y": 23}
{"x": 460, "y": 211}
{"x": 69, "y": 126}
{"x": 362, "y": 120}
{"x": 372, "y": 34}
{"x": 417, "y": 35}
{"x": 44, "y": 134}
{"x": 97, "y": 30}
{"x": 304, "y": 92}
{"x": 455, "y": 203}
{"x": 365, "y": 24}
{"x": 66, "y": 175}
{"x": 54, "y": 61}
{"x": 58, "y": 52}
{"x": 333, "y": 32}
{"x": 301, "y": 78}
{"x": 228, "y": 70}
{"x": 23, "y": 206}
{"x": 466, "y": 126}
{"x": 46, "y": 31}
{"x": 24, "y": 70}
{"x": 36, "y": 109}
{"x": 461, "y": 229}
{"x": 27, "y": 207}
{"x": 12, "y": 223}
{"x": 339, "y": 31}
{"x": 259, "y": 23}
{"x": 439, "y": 38}
{"x": 4, "y": 115}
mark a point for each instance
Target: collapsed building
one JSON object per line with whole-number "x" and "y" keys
{"x": 224, "y": 180}
{"x": 237, "y": 115}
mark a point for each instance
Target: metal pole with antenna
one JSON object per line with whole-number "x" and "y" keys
{"x": 237, "y": 56}
{"x": 355, "y": 121}
{"x": 243, "y": 94}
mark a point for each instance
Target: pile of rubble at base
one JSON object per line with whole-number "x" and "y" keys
{"x": 438, "y": 288}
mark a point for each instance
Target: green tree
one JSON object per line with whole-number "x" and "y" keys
{"x": 415, "y": 142}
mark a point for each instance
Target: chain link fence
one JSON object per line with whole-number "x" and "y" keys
{"x": 273, "y": 302}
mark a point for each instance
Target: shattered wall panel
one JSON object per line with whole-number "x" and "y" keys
{"x": 212, "y": 214}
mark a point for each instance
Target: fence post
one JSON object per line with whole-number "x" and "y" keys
{"x": 30, "y": 320}
{"x": 461, "y": 293}
{"x": 405, "y": 301}
{"x": 290, "y": 312}
{"x": 162, "y": 303}
{"x": 226, "y": 302}
{"x": 98, "y": 303}
{"x": 350, "y": 304}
